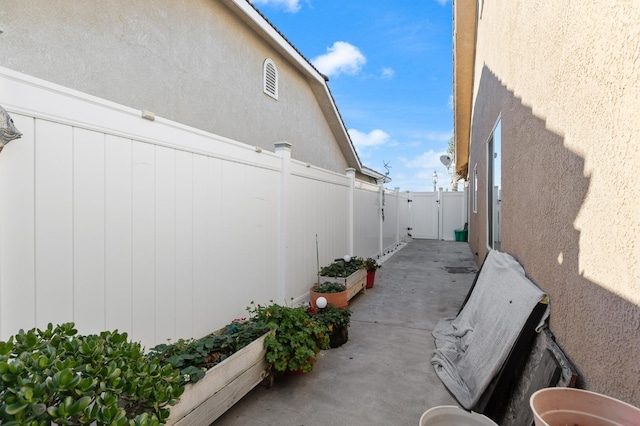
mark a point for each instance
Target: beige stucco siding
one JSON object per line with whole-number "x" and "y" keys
{"x": 565, "y": 79}
{"x": 191, "y": 61}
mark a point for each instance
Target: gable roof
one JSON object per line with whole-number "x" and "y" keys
{"x": 251, "y": 16}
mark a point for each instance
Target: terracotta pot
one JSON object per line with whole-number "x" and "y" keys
{"x": 299, "y": 370}
{"x": 371, "y": 276}
{"x": 555, "y": 406}
{"x": 339, "y": 300}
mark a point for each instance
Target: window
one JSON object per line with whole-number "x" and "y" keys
{"x": 475, "y": 189}
{"x": 494, "y": 186}
{"x": 270, "y": 79}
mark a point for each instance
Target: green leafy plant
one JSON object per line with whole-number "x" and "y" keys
{"x": 332, "y": 316}
{"x": 297, "y": 337}
{"x": 341, "y": 268}
{"x": 195, "y": 356}
{"x": 371, "y": 265}
{"x": 56, "y": 375}
{"x": 329, "y": 287}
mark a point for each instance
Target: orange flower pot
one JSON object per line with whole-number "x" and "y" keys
{"x": 339, "y": 300}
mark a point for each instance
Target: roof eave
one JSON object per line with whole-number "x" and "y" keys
{"x": 464, "y": 45}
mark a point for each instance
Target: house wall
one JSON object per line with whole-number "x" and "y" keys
{"x": 563, "y": 77}
{"x": 190, "y": 61}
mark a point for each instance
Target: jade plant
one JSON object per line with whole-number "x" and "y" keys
{"x": 297, "y": 336}
{"x": 195, "y": 356}
{"x": 56, "y": 375}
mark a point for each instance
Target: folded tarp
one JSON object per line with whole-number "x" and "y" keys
{"x": 472, "y": 347}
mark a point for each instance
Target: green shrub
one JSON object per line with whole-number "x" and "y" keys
{"x": 332, "y": 316}
{"x": 56, "y": 375}
{"x": 297, "y": 338}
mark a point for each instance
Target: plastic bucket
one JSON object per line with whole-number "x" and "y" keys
{"x": 448, "y": 415}
{"x": 560, "y": 406}
{"x": 460, "y": 234}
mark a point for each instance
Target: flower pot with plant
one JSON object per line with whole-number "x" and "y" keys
{"x": 296, "y": 338}
{"x": 334, "y": 293}
{"x": 349, "y": 270}
{"x": 337, "y": 320}
{"x": 371, "y": 265}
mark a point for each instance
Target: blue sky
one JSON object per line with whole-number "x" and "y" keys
{"x": 390, "y": 68}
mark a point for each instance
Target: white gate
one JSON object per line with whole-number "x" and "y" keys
{"x": 424, "y": 215}
{"x": 435, "y": 215}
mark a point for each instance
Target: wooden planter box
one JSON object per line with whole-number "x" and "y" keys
{"x": 356, "y": 282}
{"x": 223, "y": 385}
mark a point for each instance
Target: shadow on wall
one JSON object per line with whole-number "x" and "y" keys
{"x": 543, "y": 189}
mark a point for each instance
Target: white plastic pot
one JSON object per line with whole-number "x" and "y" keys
{"x": 448, "y": 415}
{"x": 561, "y": 406}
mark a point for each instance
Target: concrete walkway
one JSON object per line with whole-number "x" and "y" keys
{"x": 383, "y": 374}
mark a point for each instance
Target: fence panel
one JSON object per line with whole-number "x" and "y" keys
{"x": 156, "y": 228}
{"x": 452, "y": 214}
{"x": 390, "y": 224}
{"x": 366, "y": 221}
{"x": 317, "y": 206}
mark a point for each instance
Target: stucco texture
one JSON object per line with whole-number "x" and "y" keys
{"x": 564, "y": 77}
{"x": 191, "y": 61}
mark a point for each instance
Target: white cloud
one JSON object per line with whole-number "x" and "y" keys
{"x": 450, "y": 103}
{"x": 426, "y": 160}
{"x": 442, "y": 2}
{"x": 388, "y": 73}
{"x": 373, "y": 138}
{"x": 289, "y": 5}
{"x": 342, "y": 57}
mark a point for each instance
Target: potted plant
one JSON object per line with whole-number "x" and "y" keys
{"x": 371, "y": 265}
{"x": 334, "y": 292}
{"x": 349, "y": 270}
{"x": 296, "y": 339}
{"x": 337, "y": 320}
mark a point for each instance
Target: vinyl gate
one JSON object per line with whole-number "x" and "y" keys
{"x": 435, "y": 215}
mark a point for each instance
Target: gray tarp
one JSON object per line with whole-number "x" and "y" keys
{"x": 471, "y": 348}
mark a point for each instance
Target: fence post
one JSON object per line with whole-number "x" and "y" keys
{"x": 381, "y": 217}
{"x": 397, "y": 191}
{"x": 440, "y": 214}
{"x": 351, "y": 174}
{"x": 283, "y": 150}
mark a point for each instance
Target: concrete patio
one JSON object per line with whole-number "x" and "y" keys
{"x": 383, "y": 374}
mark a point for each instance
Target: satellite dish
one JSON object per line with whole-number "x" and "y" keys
{"x": 445, "y": 160}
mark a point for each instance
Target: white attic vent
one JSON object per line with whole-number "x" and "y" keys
{"x": 270, "y": 79}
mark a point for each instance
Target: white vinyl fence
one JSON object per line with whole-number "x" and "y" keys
{"x": 158, "y": 229}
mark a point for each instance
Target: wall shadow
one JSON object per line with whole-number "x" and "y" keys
{"x": 544, "y": 189}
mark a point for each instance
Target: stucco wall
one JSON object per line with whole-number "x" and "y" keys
{"x": 564, "y": 78}
{"x": 191, "y": 61}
